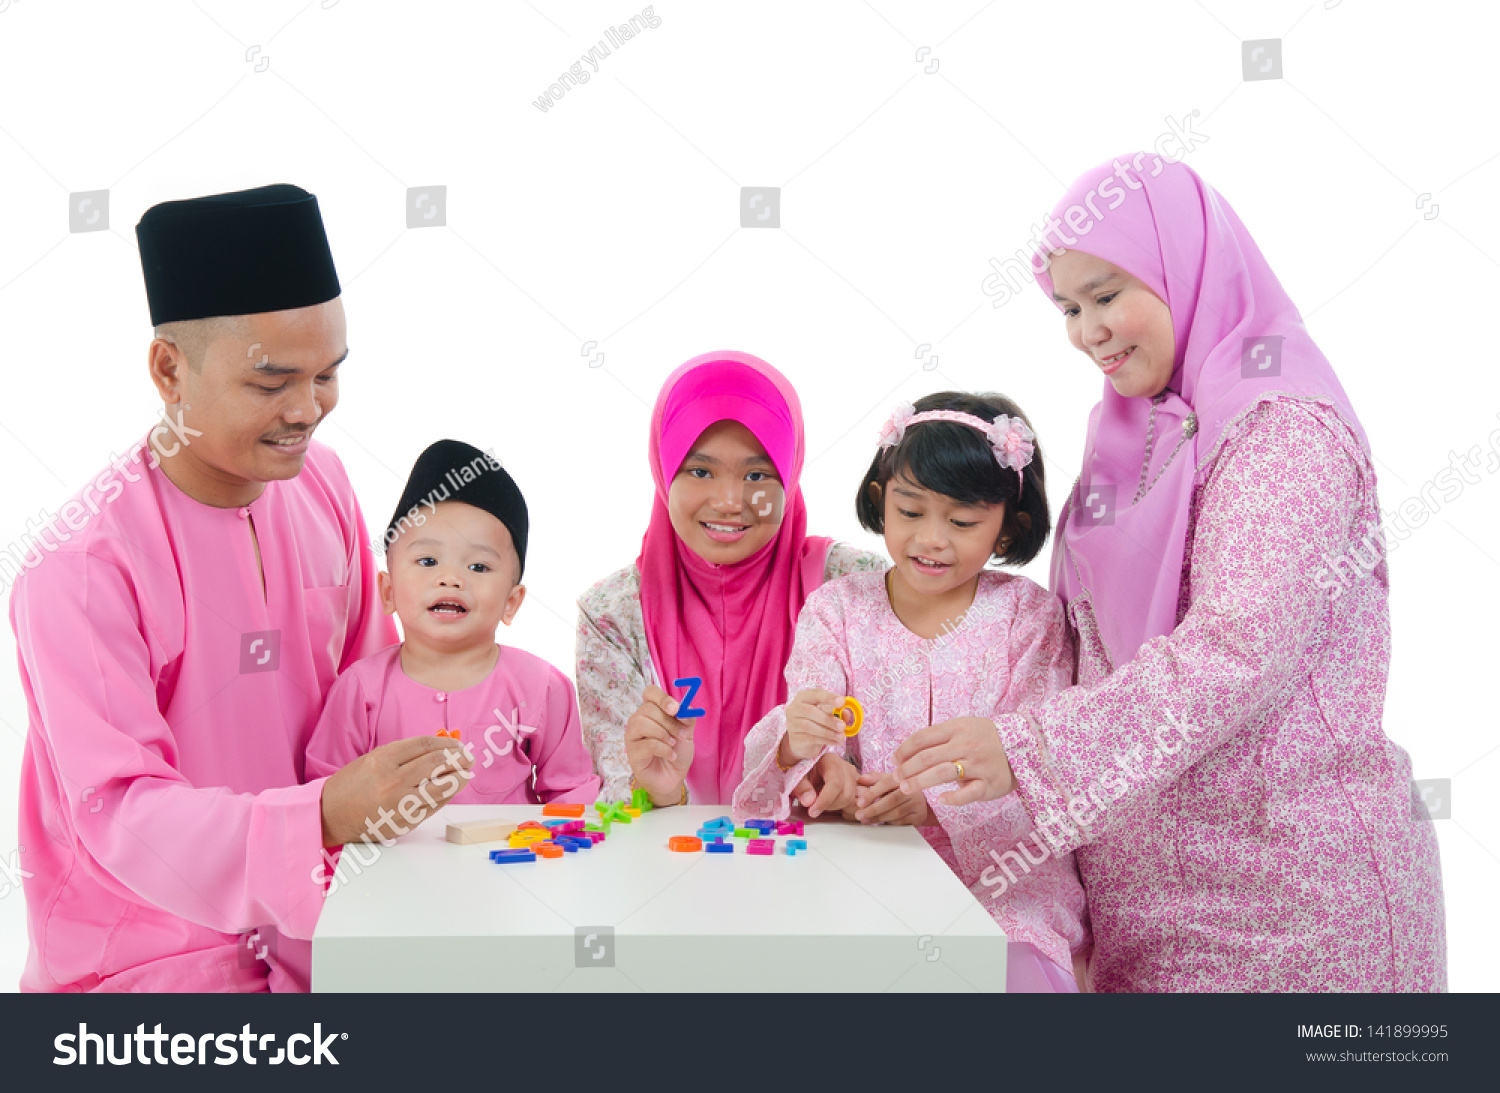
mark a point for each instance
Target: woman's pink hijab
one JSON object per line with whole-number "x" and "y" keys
{"x": 730, "y": 625}
{"x": 1165, "y": 225}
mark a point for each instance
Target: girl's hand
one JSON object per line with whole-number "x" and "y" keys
{"x": 879, "y": 800}
{"x": 838, "y": 784}
{"x": 810, "y": 726}
{"x": 931, "y": 756}
{"x": 659, "y": 747}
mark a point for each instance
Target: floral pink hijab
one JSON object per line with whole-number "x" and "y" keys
{"x": 1166, "y": 226}
{"x": 730, "y": 625}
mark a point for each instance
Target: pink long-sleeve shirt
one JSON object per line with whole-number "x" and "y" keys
{"x": 170, "y": 699}
{"x": 1241, "y": 821}
{"x": 1010, "y": 650}
{"x": 521, "y": 721}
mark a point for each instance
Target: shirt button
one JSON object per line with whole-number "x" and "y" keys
{"x": 244, "y": 514}
{"x": 442, "y": 697}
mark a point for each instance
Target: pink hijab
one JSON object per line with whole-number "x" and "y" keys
{"x": 730, "y": 625}
{"x": 1171, "y": 230}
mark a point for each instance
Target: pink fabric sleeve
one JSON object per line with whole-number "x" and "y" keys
{"x": 819, "y": 659}
{"x": 564, "y": 772}
{"x": 344, "y": 731}
{"x": 371, "y": 629}
{"x": 1258, "y": 542}
{"x": 226, "y": 860}
{"x": 611, "y": 686}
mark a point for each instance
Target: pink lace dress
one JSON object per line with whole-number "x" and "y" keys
{"x": 1240, "y": 819}
{"x": 1010, "y": 650}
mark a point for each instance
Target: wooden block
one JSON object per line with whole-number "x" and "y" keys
{"x": 469, "y": 832}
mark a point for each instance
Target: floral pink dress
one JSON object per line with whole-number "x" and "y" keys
{"x": 1010, "y": 650}
{"x": 614, "y": 662}
{"x": 1240, "y": 819}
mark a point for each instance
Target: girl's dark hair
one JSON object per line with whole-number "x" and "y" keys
{"x": 956, "y": 461}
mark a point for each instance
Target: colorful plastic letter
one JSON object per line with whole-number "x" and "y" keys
{"x": 856, "y": 718}
{"x": 503, "y": 857}
{"x": 693, "y": 685}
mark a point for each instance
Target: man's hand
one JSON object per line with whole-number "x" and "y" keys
{"x": 398, "y": 784}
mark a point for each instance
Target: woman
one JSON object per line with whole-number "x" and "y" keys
{"x": 1240, "y": 819}
{"x": 724, "y": 568}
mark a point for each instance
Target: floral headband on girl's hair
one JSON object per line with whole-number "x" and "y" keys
{"x": 1010, "y": 438}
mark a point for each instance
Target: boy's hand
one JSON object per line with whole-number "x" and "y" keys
{"x": 810, "y": 726}
{"x": 659, "y": 746}
{"x": 380, "y": 781}
{"x": 879, "y": 800}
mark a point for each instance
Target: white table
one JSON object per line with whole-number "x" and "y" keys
{"x": 863, "y": 909}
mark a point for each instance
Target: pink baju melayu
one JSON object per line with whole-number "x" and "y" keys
{"x": 1240, "y": 819}
{"x": 1010, "y": 650}
{"x": 170, "y": 701}
{"x": 521, "y": 720}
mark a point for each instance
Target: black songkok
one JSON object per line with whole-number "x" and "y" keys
{"x": 240, "y": 253}
{"x": 451, "y": 470}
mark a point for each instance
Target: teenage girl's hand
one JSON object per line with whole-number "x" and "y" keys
{"x": 879, "y": 800}
{"x": 659, "y": 746}
{"x": 810, "y": 726}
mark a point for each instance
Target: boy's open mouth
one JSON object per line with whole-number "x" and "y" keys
{"x": 448, "y": 608}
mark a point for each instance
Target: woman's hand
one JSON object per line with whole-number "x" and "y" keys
{"x": 659, "y": 747}
{"x": 879, "y": 800}
{"x": 966, "y": 750}
{"x": 810, "y": 726}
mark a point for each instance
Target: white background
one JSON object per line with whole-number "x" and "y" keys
{"x": 614, "y": 217}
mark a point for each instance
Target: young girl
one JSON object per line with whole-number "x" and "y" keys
{"x": 957, "y": 481}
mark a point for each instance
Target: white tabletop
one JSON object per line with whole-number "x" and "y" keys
{"x": 863, "y": 909}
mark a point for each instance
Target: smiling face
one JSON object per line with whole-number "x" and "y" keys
{"x": 255, "y": 387}
{"x": 452, "y": 579}
{"x": 1121, "y": 324}
{"x": 726, "y": 501}
{"x": 937, "y": 543}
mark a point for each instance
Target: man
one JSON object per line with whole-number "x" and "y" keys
{"x": 177, "y": 642}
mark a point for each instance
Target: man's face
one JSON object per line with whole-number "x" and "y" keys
{"x": 263, "y": 386}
